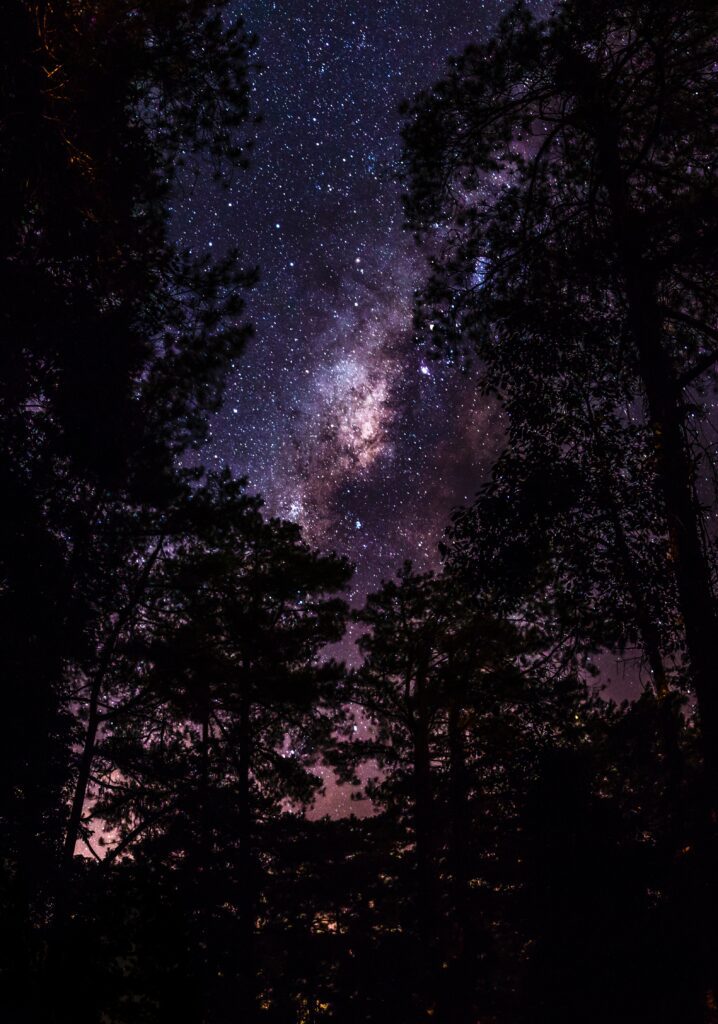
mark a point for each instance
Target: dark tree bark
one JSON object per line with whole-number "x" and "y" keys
{"x": 458, "y": 988}
{"x": 674, "y": 465}
{"x": 247, "y": 872}
{"x": 426, "y": 889}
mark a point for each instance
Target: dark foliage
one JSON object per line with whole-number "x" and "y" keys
{"x": 535, "y": 851}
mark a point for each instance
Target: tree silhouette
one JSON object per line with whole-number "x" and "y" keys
{"x": 114, "y": 351}
{"x": 531, "y": 849}
{"x": 461, "y": 706}
{"x": 573, "y": 158}
{"x": 562, "y": 177}
{"x": 233, "y": 723}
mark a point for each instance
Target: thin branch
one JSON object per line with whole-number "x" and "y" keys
{"x": 91, "y": 848}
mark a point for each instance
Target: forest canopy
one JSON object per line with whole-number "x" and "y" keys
{"x": 176, "y": 685}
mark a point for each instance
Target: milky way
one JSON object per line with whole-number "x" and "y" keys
{"x": 333, "y": 414}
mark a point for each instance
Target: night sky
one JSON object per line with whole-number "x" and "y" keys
{"x": 333, "y": 414}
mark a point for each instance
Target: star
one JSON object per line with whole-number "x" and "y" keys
{"x": 326, "y": 414}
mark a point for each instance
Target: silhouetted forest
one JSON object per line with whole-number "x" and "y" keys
{"x": 539, "y": 850}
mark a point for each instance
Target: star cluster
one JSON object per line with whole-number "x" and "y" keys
{"x": 333, "y": 414}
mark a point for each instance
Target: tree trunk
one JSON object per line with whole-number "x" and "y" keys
{"x": 203, "y": 888}
{"x": 676, "y": 475}
{"x": 55, "y": 965}
{"x": 674, "y": 465}
{"x": 668, "y": 712}
{"x": 72, "y": 832}
{"x": 650, "y": 639}
{"x": 675, "y": 470}
{"x": 247, "y": 872}
{"x": 426, "y": 897}
{"x": 458, "y": 1001}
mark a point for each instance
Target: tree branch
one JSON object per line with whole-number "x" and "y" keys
{"x": 706, "y": 361}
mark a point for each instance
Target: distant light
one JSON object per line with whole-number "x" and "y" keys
{"x": 357, "y": 524}
{"x": 425, "y": 370}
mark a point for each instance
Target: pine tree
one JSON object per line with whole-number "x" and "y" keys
{"x": 233, "y": 727}
{"x": 115, "y": 347}
{"x": 574, "y": 159}
{"x": 462, "y": 706}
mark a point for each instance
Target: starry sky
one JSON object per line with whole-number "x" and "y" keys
{"x": 333, "y": 414}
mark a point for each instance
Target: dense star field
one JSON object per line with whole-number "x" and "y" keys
{"x": 333, "y": 414}
{"x": 273, "y": 752}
